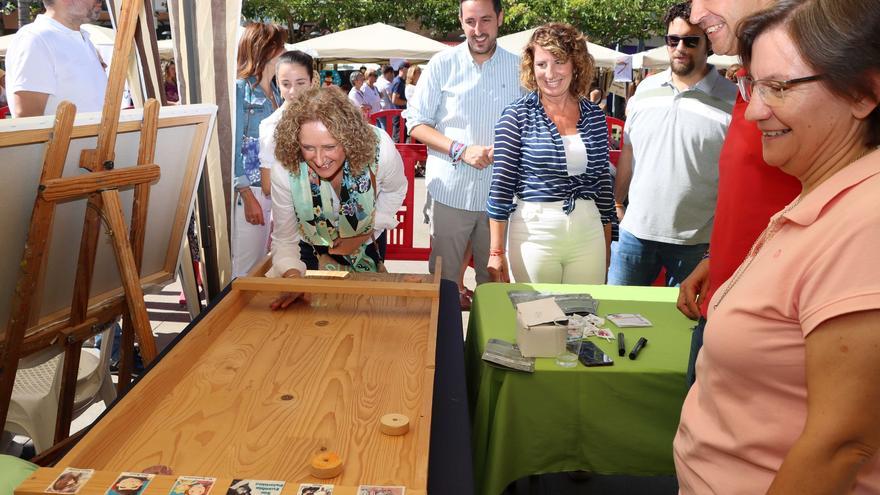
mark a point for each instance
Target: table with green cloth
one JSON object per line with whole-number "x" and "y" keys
{"x": 618, "y": 419}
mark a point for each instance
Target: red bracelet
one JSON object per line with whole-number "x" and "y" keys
{"x": 496, "y": 252}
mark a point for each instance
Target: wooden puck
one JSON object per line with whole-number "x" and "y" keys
{"x": 394, "y": 424}
{"x": 326, "y": 465}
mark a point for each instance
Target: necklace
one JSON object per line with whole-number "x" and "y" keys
{"x": 762, "y": 239}
{"x": 768, "y": 233}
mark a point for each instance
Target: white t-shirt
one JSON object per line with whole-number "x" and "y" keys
{"x": 267, "y": 138}
{"x": 47, "y": 57}
{"x": 575, "y": 154}
{"x": 382, "y": 85}
{"x": 372, "y": 97}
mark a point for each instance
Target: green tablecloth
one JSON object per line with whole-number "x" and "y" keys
{"x": 12, "y": 472}
{"x": 618, "y": 419}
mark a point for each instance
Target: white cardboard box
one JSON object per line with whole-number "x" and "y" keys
{"x": 537, "y": 335}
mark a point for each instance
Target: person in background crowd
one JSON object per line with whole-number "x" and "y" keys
{"x": 356, "y": 96}
{"x": 52, "y": 59}
{"x": 553, "y": 215}
{"x": 328, "y": 80}
{"x": 337, "y": 187}
{"x": 597, "y": 96}
{"x": 397, "y": 95}
{"x": 786, "y": 399}
{"x": 458, "y": 99}
{"x": 383, "y": 82}
{"x": 363, "y": 70}
{"x": 749, "y": 191}
{"x": 668, "y": 167}
{"x": 169, "y": 73}
{"x": 731, "y": 72}
{"x": 372, "y": 96}
{"x": 256, "y": 97}
{"x": 412, "y": 77}
{"x": 293, "y": 75}
{"x": 3, "y": 102}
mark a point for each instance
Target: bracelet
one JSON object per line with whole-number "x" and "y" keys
{"x": 496, "y": 252}
{"x": 618, "y": 205}
{"x": 705, "y": 256}
{"x": 458, "y": 152}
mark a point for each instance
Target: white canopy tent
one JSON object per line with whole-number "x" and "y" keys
{"x": 605, "y": 57}
{"x": 100, "y": 36}
{"x": 658, "y": 58}
{"x": 373, "y": 43}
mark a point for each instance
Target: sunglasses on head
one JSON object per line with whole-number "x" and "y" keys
{"x": 689, "y": 41}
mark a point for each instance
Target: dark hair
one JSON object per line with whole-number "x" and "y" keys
{"x": 679, "y": 10}
{"x": 387, "y": 68}
{"x": 682, "y": 11}
{"x": 827, "y": 34}
{"x": 259, "y": 43}
{"x": 299, "y": 58}
{"x": 566, "y": 43}
{"x": 496, "y": 6}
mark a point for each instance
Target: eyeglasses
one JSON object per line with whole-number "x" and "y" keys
{"x": 672, "y": 40}
{"x": 772, "y": 92}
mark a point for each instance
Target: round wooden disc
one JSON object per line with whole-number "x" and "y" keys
{"x": 326, "y": 465}
{"x": 394, "y": 424}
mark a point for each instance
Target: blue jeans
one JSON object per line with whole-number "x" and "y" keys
{"x": 638, "y": 262}
{"x": 696, "y": 345}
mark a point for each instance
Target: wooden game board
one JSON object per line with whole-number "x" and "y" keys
{"x": 252, "y": 393}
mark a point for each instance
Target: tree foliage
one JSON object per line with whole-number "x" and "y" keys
{"x": 605, "y": 21}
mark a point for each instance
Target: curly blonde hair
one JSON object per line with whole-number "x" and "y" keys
{"x": 346, "y": 123}
{"x": 566, "y": 43}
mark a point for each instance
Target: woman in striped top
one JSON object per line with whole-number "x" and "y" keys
{"x": 551, "y": 160}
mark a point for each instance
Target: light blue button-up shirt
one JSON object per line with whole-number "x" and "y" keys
{"x": 462, "y": 100}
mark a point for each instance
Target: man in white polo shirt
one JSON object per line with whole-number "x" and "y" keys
{"x": 676, "y": 124}
{"x": 51, "y": 60}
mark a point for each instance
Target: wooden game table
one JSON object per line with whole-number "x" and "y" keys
{"x": 246, "y": 392}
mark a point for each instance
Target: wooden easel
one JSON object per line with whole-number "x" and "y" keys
{"x": 101, "y": 187}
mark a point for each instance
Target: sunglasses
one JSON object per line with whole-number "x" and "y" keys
{"x": 672, "y": 40}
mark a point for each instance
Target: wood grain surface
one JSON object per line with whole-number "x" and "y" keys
{"x": 252, "y": 393}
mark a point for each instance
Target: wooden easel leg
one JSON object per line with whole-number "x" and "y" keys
{"x": 86, "y": 265}
{"x": 72, "y": 350}
{"x": 134, "y": 296}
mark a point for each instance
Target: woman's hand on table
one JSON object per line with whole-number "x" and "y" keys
{"x": 285, "y": 299}
{"x": 497, "y": 267}
{"x": 348, "y": 245}
{"x": 693, "y": 290}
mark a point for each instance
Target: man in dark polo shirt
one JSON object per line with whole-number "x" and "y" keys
{"x": 749, "y": 190}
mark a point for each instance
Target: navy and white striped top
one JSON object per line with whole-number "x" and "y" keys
{"x": 530, "y": 160}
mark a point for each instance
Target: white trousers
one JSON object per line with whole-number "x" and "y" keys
{"x": 549, "y": 247}
{"x": 250, "y": 242}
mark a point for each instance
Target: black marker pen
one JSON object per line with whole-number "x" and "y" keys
{"x": 621, "y": 345}
{"x": 637, "y": 348}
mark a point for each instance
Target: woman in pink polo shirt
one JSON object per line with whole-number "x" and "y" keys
{"x": 787, "y": 398}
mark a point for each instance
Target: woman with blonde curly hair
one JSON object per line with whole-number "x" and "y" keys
{"x": 338, "y": 185}
{"x": 551, "y": 181}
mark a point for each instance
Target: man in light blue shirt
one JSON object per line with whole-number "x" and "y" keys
{"x": 459, "y": 98}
